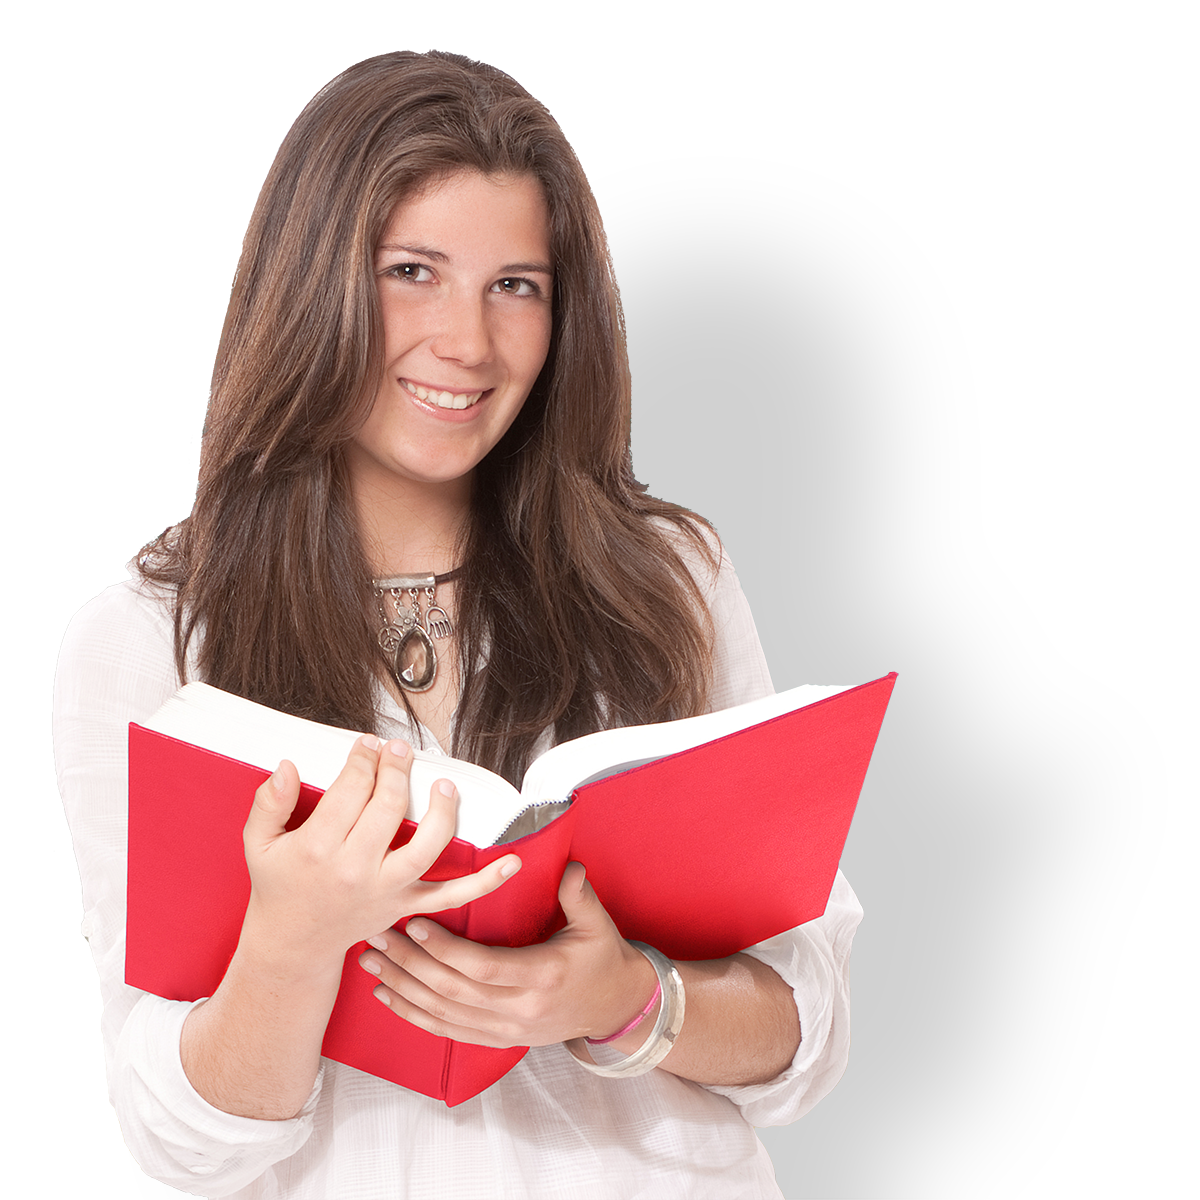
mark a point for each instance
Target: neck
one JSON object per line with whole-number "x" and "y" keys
{"x": 410, "y": 528}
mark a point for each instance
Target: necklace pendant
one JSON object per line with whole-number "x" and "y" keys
{"x": 437, "y": 621}
{"x": 415, "y": 661}
{"x": 390, "y": 637}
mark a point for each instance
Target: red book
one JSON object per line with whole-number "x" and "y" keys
{"x": 702, "y": 852}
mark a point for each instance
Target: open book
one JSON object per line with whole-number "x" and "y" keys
{"x": 700, "y": 836}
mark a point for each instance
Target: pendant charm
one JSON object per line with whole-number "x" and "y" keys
{"x": 407, "y": 634}
{"x": 415, "y": 662}
{"x": 437, "y": 622}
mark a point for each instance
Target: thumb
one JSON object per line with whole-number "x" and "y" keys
{"x": 274, "y": 803}
{"x": 579, "y": 901}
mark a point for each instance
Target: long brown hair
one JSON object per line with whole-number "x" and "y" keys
{"x": 574, "y": 609}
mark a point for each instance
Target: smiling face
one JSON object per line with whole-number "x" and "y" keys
{"x": 464, "y": 277}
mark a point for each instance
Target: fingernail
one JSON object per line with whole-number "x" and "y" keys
{"x": 370, "y": 741}
{"x": 380, "y": 993}
{"x": 418, "y": 932}
{"x": 398, "y": 748}
{"x": 378, "y": 941}
{"x": 369, "y": 964}
{"x": 511, "y": 867}
{"x": 276, "y": 780}
{"x": 445, "y": 787}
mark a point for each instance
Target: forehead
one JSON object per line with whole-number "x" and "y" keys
{"x": 472, "y": 211}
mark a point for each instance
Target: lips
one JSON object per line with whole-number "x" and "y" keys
{"x": 440, "y": 399}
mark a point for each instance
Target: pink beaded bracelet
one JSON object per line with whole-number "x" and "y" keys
{"x": 612, "y": 1037}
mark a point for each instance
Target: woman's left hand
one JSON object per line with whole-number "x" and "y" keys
{"x": 585, "y": 981}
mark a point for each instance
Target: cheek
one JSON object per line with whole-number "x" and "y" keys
{"x": 399, "y": 325}
{"x": 536, "y": 347}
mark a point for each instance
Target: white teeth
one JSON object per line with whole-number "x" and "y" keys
{"x": 442, "y": 399}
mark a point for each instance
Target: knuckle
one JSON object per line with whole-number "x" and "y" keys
{"x": 263, "y": 807}
{"x": 389, "y": 794}
{"x": 488, "y": 971}
{"x": 551, "y": 975}
{"x": 436, "y": 1020}
{"x": 346, "y": 876}
{"x": 363, "y": 773}
{"x": 392, "y": 761}
{"x": 527, "y": 1010}
{"x": 536, "y": 1007}
{"x": 510, "y": 1034}
{"x": 397, "y": 951}
{"x": 453, "y": 990}
{"x": 311, "y": 854}
{"x": 393, "y": 783}
{"x": 359, "y": 769}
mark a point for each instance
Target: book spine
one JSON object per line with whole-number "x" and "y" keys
{"x": 522, "y": 911}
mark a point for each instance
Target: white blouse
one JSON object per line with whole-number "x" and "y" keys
{"x": 547, "y": 1129}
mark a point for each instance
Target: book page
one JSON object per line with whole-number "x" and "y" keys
{"x": 566, "y": 766}
{"x": 255, "y": 734}
{"x": 490, "y": 808}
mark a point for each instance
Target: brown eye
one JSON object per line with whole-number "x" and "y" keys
{"x": 513, "y": 285}
{"x": 411, "y": 272}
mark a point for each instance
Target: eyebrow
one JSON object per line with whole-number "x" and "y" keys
{"x": 439, "y": 257}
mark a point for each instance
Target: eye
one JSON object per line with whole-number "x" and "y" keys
{"x": 515, "y": 285}
{"x": 410, "y": 272}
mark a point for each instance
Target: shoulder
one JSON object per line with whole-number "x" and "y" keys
{"x": 740, "y": 672}
{"x": 132, "y": 608}
{"x": 707, "y": 561}
{"x": 700, "y": 550}
{"x": 120, "y": 645}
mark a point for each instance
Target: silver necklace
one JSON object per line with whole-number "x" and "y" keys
{"x": 408, "y": 632}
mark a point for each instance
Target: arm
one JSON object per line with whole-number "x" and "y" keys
{"x": 116, "y": 665}
{"x": 739, "y": 994}
{"x": 254, "y": 1048}
{"x": 586, "y": 981}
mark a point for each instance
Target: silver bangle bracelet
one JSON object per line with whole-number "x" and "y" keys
{"x": 662, "y": 1037}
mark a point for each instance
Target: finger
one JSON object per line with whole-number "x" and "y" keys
{"x": 434, "y": 830}
{"x": 579, "y": 902}
{"x": 454, "y": 893}
{"x": 381, "y": 817}
{"x": 414, "y": 1014}
{"x": 408, "y": 970}
{"x": 436, "y": 952}
{"x": 274, "y": 803}
{"x": 347, "y": 795}
{"x": 570, "y": 887}
{"x": 441, "y": 998}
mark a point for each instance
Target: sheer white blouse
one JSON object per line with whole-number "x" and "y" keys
{"x": 547, "y": 1129}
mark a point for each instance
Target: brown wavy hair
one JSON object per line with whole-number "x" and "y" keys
{"x": 575, "y": 609}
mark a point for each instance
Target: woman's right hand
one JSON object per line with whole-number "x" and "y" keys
{"x": 334, "y": 880}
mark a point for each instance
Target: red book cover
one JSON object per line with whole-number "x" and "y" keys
{"x": 700, "y": 853}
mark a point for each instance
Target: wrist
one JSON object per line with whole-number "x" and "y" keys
{"x": 269, "y": 948}
{"x": 642, "y": 999}
{"x": 659, "y": 1041}
{"x": 253, "y": 1048}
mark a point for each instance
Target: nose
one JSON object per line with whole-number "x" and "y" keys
{"x": 464, "y": 335}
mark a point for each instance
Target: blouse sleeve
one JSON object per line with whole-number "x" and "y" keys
{"x": 116, "y": 665}
{"x": 814, "y": 958}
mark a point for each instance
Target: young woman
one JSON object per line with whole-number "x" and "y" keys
{"x": 416, "y": 516}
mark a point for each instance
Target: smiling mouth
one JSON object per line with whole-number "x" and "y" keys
{"x": 441, "y": 399}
